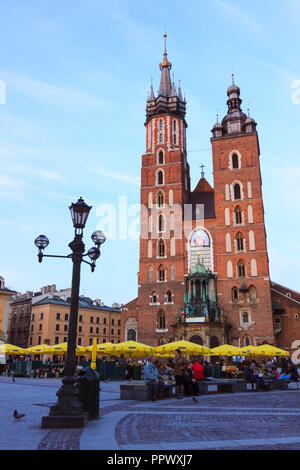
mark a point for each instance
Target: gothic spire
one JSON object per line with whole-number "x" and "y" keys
{"x": 165, "y": 67}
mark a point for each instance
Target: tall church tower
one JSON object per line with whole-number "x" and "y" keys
{"x": 241, "y": 258}
{"x": 165, "y": 185}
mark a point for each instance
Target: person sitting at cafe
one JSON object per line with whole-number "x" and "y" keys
{"x": 153, "y": 380}
{"x": 207, "y": 371}
{"x": 251, "y": 375}
{"x": 190, "y": 382}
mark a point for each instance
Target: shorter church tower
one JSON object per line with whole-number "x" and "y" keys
{"x": 241, "y": 258}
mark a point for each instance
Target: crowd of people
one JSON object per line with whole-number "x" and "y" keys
{"x": 187, "y": 375}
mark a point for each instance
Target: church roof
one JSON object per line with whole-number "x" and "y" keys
{"x": 204, "y": 195}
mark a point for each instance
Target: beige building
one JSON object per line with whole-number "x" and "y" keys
{"x": 5, "y": 300}
{"x": 50, "y": 321}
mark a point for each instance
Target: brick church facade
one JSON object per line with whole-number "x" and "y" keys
{"x": 204, "y": 268}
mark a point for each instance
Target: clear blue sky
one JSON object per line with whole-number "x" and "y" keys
{"x": 77, "y": 74}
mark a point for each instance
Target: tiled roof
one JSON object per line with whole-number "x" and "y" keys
{"x": 84, "y": 302}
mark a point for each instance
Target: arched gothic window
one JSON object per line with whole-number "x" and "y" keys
{"x": 245, "y": 317}
{"x": 161, "y": 125}
{"x": 161, "y": 320}
{"x": 161, "y": 223}
{"x": 237, "y": 215}
{"x": 247, "y": 341}
{"x": 237, "y": 191}
{"x": 160, "y": 159}
{"x": 235, "y": 294}
{"x": 168, "y": 296}
{"x": 241, "y": 269}
{"x": 160, "y": 199}
{"x": 161, "y": 274}
{"x": 161, "y": 248}
{"x": 153, "y": 297}
{"x": 160, "y": 177}
{"x": 239, "y": 242}
{"x": 174, "y": 132}
{"x": 161, "y": 138}
{"x": 234, "y": 161}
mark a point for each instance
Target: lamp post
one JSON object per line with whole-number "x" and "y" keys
{"x": 68, "y": 411}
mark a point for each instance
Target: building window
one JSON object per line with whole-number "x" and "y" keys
{"x": 97, "y": 331}
{"x": 161, "y": 321}
{"x": 65, "y": 339}
{"x": 247, "y": 341}
{"x": 91, "y": 341}
{"x": 245, "y": 317}
{"x": 40, "y": 327}
{"x": 234, "y": 161}
{"x": 174, "y": 133}
{"x": 66, "y": 316}
{"x": 65, "y": 327}
{"x": 39, "y": 340}
{"x": 241, "y": 269}
{"x": 112, "y": 321}
{"x": 79, "y": 341}
{"x": 161, "y": 138}
{"x": 239, "y": 242}
{"x": 160, "y": 159}
{"x": 56, "y": 340}
{"x": 92, "y": 320}
{"x": 238, "y": 215}
{"x": 31, "y": 327}
{"x": 30, "y": 342}
{"x": 98, "y": 320}
{"x": 91, "y": 329}
{"x": 104, "y": 331}
{"x": 57, "y": 327}
{"x": 153, "y": 297}
{"x": 58, "y": 316}
{"x": 235, "y": 294}
{"x": 112, "y": 331}
{"x": 80, "y": 329}
{"x": 119, "y": 322}
{"x": 161, "y": 248}
{"x": 104, "y": 321}
{"x": 80, "y": 318}
{"x": 41, "y": 316}
{"x": 160, "y": 177}
{"x": 161, "y": 274}
{"x": 237, "y": 191}
{"x": 168, "y": 296}
{"x": 161, "y": 223}
{"x": 160, "y": 199}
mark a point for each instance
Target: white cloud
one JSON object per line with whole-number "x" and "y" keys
{"x": 48, "y": 93}
{"x": 118, "y": 176}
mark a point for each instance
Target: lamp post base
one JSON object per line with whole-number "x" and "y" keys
{"x": 60, "y": 422}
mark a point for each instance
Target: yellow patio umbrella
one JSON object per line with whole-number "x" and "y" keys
{"x": 103, "y": 349}
{"x": 63, "y": 347}
{"x": 249, "y": 351}
{"x": 133, "y": 348}
{"x": 268, "y": 350}
{"x": 186, "y": 348}
{"x": 225, "y": 350}
{"x": 10, "y": 349}
{"x": 94, "y": 354}
{"x": 40, "y": 349}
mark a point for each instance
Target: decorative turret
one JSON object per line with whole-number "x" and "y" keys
{"x": 235, "y": 121}
{"x": 168, "y": 100}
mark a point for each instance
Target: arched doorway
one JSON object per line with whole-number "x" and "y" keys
{"x": 131, "y": 335}
{"x": 196, "y": 339}
{"x": 214, "y": 342}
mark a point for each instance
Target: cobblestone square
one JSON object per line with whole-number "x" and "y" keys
{"x": 241, "y": 421}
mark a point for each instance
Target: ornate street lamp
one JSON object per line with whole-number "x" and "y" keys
{"x": 68, "y": 411}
